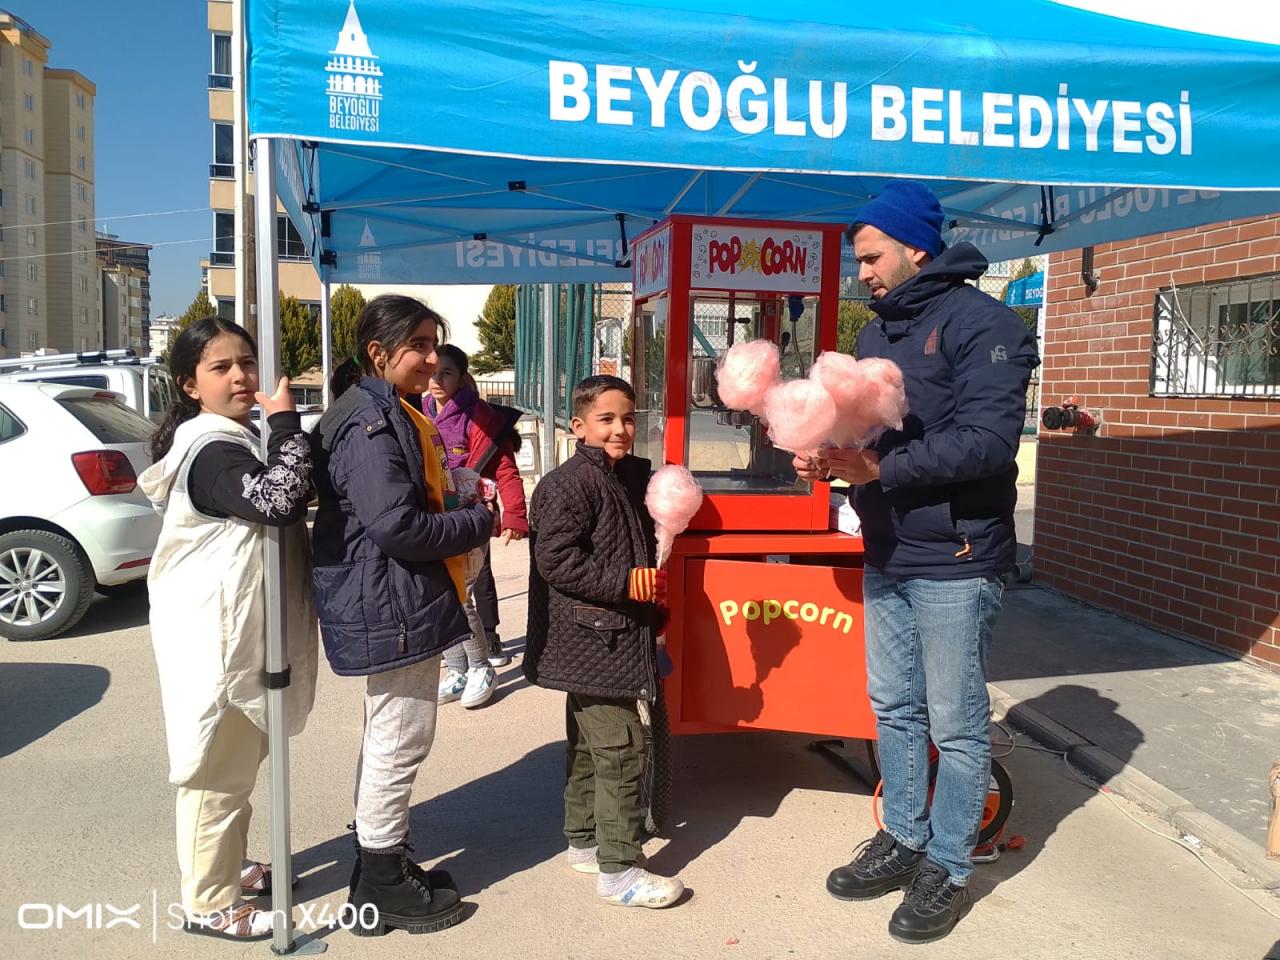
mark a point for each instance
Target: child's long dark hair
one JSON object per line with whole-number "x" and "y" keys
{"x": 184, "y": 357}
{"x": 390, "y": 320}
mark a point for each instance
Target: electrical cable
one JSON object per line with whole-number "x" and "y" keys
{"x": 122, "y": 246}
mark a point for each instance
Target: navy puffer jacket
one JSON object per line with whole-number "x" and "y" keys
{"x": 943, "y": 506}
{"x": 383, "y": 594}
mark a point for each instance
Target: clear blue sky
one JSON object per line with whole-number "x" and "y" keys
{"x": 150, "y": 62}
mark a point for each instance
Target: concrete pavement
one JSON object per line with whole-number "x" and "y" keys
{"x": 758, "y": 821}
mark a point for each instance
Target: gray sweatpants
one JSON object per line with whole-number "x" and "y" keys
{"x": 473, "y": 651}
{"x": 399, "y": 726}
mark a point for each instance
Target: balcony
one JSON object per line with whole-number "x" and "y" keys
{"x": 219, "y": 81}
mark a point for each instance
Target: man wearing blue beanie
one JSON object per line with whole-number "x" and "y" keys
{"x": 936, "y": 501}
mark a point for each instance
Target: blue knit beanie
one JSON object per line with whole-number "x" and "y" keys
{"x": 908, "y": 212}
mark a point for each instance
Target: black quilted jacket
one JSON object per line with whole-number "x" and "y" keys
{"x": 588, "y": 528}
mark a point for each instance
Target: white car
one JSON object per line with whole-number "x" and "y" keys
{"x": 72, "y": 519}
{"x": 142, "y": 382}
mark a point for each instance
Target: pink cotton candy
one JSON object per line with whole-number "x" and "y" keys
{"x": 746, "y": 373}
{"x": 887, "y": 396}
{"x": 846, "y": 380}
{"x": 801, "y": 415}
{"x": 672, "y": 498}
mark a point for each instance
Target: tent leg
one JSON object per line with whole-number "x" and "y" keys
{"x": 326, "y": 344}
{"x": 550, "y": 297}
{"x": 273, "y": 572}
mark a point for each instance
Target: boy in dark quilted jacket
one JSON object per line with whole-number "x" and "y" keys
{"x": 593, "y": 613}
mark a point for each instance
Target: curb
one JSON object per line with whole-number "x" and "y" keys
{"x": 1134, "y": 785}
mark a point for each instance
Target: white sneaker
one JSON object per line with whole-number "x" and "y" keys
{"x": 648, "y": 890}
{"x": 451, "y": 686}
{"x": 479, "y": 687}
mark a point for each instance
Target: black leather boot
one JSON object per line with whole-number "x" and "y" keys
{"x": 881, "y": 865}
{"x": 434, "y": 878}
{"x": 402, "y": 894}
{"x": 932, "y": 907}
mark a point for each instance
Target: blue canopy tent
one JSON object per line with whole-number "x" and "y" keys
{"x": 517, "y": 141}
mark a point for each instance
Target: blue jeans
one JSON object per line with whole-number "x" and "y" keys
{"x": 927, "y": 643}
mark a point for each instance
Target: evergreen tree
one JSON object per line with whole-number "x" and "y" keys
{"x": 496, "y": 328}
{"x": 299, "y": 338}
{"x": 345, "y": 305}
{"x": 200, "y": 308}
{"x": 853, "y": 316}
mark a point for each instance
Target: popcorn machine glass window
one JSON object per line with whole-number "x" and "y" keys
{"x": 728, "y": 450}
{"x": 648, "y": 351}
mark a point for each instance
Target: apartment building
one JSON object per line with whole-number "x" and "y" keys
{"x": 297, "y": 277}
{"x": 49, "y": 288}
{"x": 125, "y": 269}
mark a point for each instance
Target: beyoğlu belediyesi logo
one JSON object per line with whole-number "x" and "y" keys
{"x": 354, "y": 85}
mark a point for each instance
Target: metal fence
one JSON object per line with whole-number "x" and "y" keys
{"x": 497, "y": 391}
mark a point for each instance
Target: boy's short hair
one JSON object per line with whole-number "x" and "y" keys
{"x": 589, "y": 390}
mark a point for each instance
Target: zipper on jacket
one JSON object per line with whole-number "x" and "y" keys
{"x": 650, "y": 660}
{"x": 404, "y": 638}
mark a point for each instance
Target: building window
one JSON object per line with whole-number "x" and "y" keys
{"x": 29, "y": 168}
{"x": 80, "y": 132}
{"x": 33, "y": 272}
{"x": 84, "y": 255}
{"x": 1218, "y": 340}
{"x": 224, "y": 239}
{"x": 33, "y": 306}
{"x": 84, "y": 344}
{"x": 84, "y": 225}
{"x": 84, "y": 284}
{"x": 30, "y": 203}
{"x": 223, "y": 166}
{"x": 289, "y": 245}
{"x": 28, "y": 67}
{"x": 28, "y": 103}
{"x": 84, "y": 192}
{"x": 80, "y": 100}
{"x": 84, "y": 315}
{"x": 29, "y": 136}
{"x": 220, "y": 66}
{"x": 1, "y": 307}
{"x": 31, "y": 238}
{"x": 82, "y": 163}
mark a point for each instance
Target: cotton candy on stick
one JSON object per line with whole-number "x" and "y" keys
{"x": 887, "y": 393}
{"x": 746, "y": 373}
{"x": 801, "y": 415}
{"x": 672, "y": 498}
{"x": 846, "y": 380}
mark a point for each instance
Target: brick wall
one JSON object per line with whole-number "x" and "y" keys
{"x": 1171, "y": 515}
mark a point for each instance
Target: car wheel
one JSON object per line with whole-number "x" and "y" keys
{"x": 46, "y": 584}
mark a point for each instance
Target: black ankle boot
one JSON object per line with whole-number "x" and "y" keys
{"x": 433, "y": 878}
{"x": 401, "y": 894}
{"x": 878, "y": 867}
{"x": 932, "y": 907}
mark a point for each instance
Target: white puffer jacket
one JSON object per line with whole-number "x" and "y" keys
{"x": 208, "y": 611}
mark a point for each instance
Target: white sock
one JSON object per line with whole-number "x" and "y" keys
{"x": 611, "y": 884}
{"x": 582, "y": 855}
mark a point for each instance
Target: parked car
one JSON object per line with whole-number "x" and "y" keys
{"x": 72, "y": 519}
{"x": 142, "y": 382}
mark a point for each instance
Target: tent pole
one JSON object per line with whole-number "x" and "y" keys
{"x": 549, "y": 376}
{"x": 273, "y": 563}
{"x": 326, "y": 338}
{"x": 239, "y": 151}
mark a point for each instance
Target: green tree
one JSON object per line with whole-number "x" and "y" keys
{"x": 1029, "y": 315}
{"x": 299, "y": 338}
{"x": 496, "y": 328}
{"x": 853, "y": 316}
{"x": 345, "y": 305}
{"x": 200, "y": 308}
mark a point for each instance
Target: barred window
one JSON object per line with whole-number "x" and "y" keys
{"x": 1218, "y": 340}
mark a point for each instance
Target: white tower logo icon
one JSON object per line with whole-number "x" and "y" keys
{"x": 354, "y": 83}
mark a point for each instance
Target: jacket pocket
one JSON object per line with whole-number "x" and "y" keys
{"x": 604, "y": 624}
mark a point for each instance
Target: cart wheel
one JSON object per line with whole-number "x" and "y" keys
{"x": 655, "y": 785}
{"x": 998, "y": 805}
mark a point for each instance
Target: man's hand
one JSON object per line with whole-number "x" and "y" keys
{"x": 811, "y": 465}
{"x": 279, "y": 402}
{"x": 852, "y": 466}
